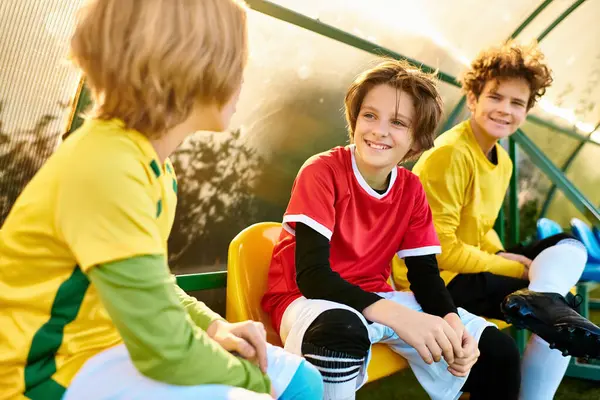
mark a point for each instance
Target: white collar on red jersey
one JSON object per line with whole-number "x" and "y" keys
{"x": 361, "y": 181}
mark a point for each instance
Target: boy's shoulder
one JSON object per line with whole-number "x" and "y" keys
{"x": 103, "y": 150}
{"x": 334, "y": 160}
{"x": 106, "y": 136}
{"x": 454, "y": 145}
{"x": 458, "y": 138}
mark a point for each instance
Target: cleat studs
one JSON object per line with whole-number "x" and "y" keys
{"x": 565, "y": 353}
{"x": 588, "y": 335}
{"x": 552, "y": 345}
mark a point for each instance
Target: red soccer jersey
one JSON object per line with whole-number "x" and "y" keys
{"x": 365, "y": 229}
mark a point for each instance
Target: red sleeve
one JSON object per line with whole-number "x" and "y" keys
{"x": 420, "y": 238}
{"x": 312, "y": 199}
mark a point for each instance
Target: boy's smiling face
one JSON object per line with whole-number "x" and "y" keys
{"x": 501, "y": 107}
{"x": 383, "y": 133}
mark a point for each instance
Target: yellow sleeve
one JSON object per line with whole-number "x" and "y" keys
{"x": 491, "y": 242}
{"x": 106, "y": 210}
{"x": 446, "y": 175}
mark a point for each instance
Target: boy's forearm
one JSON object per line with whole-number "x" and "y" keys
{"x": 491, "y": 242}
{"x": 162, "y": 340}
{"x": 197, "y": 310}
{"x": 462, "y": 258}
{"x": 385, "y": 312}
{"x": 427, "y": 285}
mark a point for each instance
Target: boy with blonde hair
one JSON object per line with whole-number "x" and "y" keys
{"x": 89, "y": 309}
{"x": 466, "y": 176}
{"x": 351, "y": 210}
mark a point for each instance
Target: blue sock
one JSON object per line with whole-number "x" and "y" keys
{"x": 306, "y": 384}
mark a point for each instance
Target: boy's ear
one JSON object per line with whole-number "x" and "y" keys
{"x": 471, "y": 101}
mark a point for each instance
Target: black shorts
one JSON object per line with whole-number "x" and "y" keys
{"x": 482, "y": 293}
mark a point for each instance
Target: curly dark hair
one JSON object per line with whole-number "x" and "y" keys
{"x": 511, "y": 60}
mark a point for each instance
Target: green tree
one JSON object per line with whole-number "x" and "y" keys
{"x": 216, "y": 197}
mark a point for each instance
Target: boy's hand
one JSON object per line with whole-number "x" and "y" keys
{"x": 516, "y": 257}
{"x": 461, "y": 365}
{"x": 248, "y": 339}
{"x": 431, "y": 336}
{"x": 454, "y": 321}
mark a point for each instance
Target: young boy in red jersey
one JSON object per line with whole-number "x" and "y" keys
{"x": 352, "y": 209}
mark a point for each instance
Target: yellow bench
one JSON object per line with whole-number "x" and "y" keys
{"x": 247, "y": 266}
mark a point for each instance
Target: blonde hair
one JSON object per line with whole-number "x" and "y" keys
{"x": 419, "y": 85}
{"x": 511, "y": 60}
{"x": 149, "y": 62}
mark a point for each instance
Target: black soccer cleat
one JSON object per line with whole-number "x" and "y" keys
{"x": 552, "y": 318}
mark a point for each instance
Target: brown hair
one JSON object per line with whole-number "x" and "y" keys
{"x": 511, "y": 60}
{"x": 419, "y": 85}
{"x": 149, "y": 62}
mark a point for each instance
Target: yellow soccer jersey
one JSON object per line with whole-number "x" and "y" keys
{"x": 465, "y": 191}
{"x": 51, "y": 319}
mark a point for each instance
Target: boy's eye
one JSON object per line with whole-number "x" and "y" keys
{"x": 398, "y": 123}
{"x": 494, "y": 96}
{"x": 368, "y": 115}
{"x": 518, "y": 104}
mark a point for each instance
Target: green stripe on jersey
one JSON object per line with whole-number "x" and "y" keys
{"x": 47, "y": 390}
{"x": 155, "y": 168}
{"x": 158, "y": 208}
{"x": 41, "y": 362}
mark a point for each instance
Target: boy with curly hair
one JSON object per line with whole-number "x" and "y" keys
{"x": 466, "y": 176}
{"x": 88, "y": 307}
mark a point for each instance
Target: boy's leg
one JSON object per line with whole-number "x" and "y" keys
{"x": 112, "y": 375}
{"x": 532, "y": 250}
{"x": 556, "y": 267}
{"x": 542, "y": 367}
{"x": 437, "y": 381}
{"x": 292, "y": 377}
{"x": 482, "y": 293}
{"x": 542, "y": 307}
{"x": 496, "y": 374}
{"x": 334, "y": 338}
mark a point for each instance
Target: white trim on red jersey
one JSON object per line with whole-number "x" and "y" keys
{"x": 364, "y": 184}
{"x": 420, "y": 251}
{"x": 306, "y": 220}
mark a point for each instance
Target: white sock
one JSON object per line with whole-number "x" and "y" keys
{"x": 542, "y": 369}
{"x": 558, "y": 268}
{"x": 345, "y": 367}
{"x": 340, "y": 391}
